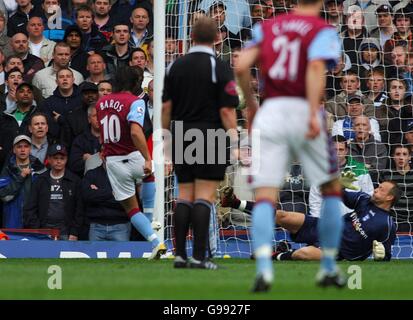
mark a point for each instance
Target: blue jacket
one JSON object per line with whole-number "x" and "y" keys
{"x": 15, "y": 190}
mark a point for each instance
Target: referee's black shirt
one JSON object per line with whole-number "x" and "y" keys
{"x": 199, "y": 84}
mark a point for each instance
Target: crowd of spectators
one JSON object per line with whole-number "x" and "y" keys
{"x": 58, "y": 57}
{"x": 368, "y": 97}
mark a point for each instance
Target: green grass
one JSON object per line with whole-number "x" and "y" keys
{"x": 141, "y": 279}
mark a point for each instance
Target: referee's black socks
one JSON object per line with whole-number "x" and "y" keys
{"x": 181, "y": 226}
{"x": 200, "y": 215}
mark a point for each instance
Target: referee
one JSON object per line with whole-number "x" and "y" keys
{"x": 199, "y": 99}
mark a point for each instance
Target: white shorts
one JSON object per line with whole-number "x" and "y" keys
{"x": 279, "y": 130}
{"x": 124, "y": 173}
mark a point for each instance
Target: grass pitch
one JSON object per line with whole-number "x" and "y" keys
{"x": 142, "y": 279}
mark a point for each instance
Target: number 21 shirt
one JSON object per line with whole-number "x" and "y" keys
{"x": 287, "y": 44}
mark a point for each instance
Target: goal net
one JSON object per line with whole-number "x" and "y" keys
{"x": 376, "y": 68}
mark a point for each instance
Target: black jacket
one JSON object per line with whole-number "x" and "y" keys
{"x": 76, "y": 122}
{"x": 18, "y": 21}
{"x": 78, "y": 60}
{"x": 93, "y": 41}
{"x": 31, "y": 65}
{"x": 36, "y": 209}
{"x": 84, "y": 143}
{"x": 113, "y": 61}
{"x": 61, "y": 105}
{"x": 100, "y": 205}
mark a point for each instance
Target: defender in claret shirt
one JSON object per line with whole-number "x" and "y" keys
{"x": 292, "y": 52}
{"x": 121, "y": 116}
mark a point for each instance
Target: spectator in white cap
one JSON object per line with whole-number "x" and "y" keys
{"x": 368, "y": 8}
{"x": 16, "y": 180}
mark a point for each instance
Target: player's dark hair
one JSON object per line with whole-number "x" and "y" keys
{"x": 105, "y": 81}
{"x": 401, "y": 80}
{"x": 400, "y": 146}
{"x": 395, "y": 192}
{"x": 376, "y": 70}
{"x": 204, "y": 30}
{"x": 84, "y": 7}
{"x": 121, "y": 23}
{"x": 339, "y": 138}
{"x": 127, "y": 79}
{"x": 137, "y": 50}
{"x": 15, "y": 69}
{"x": 350, "y": 72}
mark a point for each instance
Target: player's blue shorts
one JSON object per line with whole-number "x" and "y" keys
{"x": 308, "y": 233}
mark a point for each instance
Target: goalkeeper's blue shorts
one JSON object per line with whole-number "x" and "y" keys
{"x": 308, "y": 233}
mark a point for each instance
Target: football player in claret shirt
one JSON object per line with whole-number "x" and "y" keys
{"x": 128, "y": 161}
{"x": 292, "y": 51}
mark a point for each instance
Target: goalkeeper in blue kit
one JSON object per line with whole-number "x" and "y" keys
{"x": 369, "y": 229}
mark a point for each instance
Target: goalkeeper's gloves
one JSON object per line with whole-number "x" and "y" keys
{"x": 378, "y": 250}
{"x": 346, "y": 180}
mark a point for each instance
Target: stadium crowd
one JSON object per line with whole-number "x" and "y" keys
{"x": 58, "y": 57}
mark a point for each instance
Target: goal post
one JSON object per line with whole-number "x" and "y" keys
{"x": 159, "y": 71}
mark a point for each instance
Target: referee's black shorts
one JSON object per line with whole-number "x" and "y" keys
{"x": 207, "y": 163}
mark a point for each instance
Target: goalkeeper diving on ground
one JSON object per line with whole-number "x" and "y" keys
{"x": 368, "y": 230}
